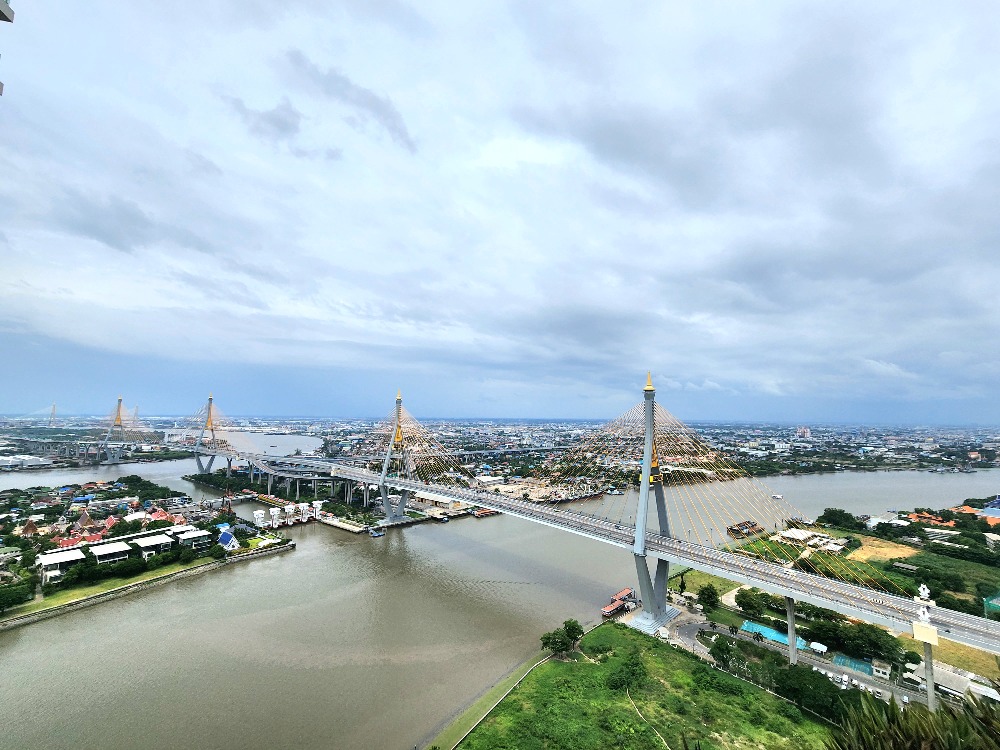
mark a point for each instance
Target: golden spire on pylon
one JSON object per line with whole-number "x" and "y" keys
{"x": 649, "y": 382}
{"x": 208, "y": 416}
{"x": 399, "y": 394}
{"x": 118, "y": 413}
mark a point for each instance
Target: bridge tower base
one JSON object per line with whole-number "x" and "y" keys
{"x": 204, "y": 468}
{"x": 653, "y": 593}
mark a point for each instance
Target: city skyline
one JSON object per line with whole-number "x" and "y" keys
{"x": 786, "y": 214}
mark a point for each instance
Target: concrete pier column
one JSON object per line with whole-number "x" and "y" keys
{"x": 296, "y": 490}
{"x": 270, "y": 484}
{"x": 229, "y": 468}
{"x": 929, "y": 676}
{"x": 315, "y": 489}
{"x": 793, "y": 652}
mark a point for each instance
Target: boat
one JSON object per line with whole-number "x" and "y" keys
{"x": 443, "y": 519}
{"x": 744, "y": 529}
{"x": 612, "y": 609}
{"x": 375, "y": 532}
{"x": 483, "y": 512}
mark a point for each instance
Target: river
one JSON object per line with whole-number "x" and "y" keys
{"x": 346, "y": 642}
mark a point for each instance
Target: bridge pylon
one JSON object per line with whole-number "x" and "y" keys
{"x": 395, "y": 511}
{"x": 208, "y": 428}
{"x": 112, "y": 444}
{"x": 652, "y": 590}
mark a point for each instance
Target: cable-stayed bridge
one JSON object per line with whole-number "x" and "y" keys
{"x": 687, "y": 498}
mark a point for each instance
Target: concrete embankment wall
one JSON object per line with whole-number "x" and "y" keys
{"x": 131, "y": 588}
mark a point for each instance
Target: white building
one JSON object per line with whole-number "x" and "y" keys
{"x": 151, "y": 545}
{"x": 111, "y": 553}
{"x": 54, "y": 564}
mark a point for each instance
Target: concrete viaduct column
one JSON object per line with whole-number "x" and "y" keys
{"x": 929, "y": 676}
{"x": 793, "y": 652}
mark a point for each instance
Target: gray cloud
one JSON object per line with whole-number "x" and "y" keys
{"x": 117, "y": 222}
{"x": 280, "y": 123}
{"x": 363, "y": 102}
{"x": 770, "y": 208}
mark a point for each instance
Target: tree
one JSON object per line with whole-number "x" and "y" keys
{"x": 11, "y": 596}
{"x": 217, "y": 551}
{"x": 708, "y": 597}
{"x": 557, "y": 641}
{"x": 187, "y": 555}
{"x": 682, "y": 586}
{"x": 573, "y": 630}
{"x": 629, "y": 673}
{"x": 733, "y": 630}
{"x": 750, "y": 602}
{"x": 873, "y": 725}
{"x": 839, "y": 518}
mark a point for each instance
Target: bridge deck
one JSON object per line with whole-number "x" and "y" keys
{"x": 867, "y": 604}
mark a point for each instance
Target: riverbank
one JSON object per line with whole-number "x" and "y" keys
{"x": 71, "y": 600}
{"x": 460, "y": 726}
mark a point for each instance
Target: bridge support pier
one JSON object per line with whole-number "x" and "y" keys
{"x": 793, "y": 651}
{"x": 929, "y": 677}
{"x": 229, "y": 468}
{"x": 270, "y": 484}
{"x": 204, "y": 468}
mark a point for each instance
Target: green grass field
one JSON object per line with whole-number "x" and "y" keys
{"x": 82, "y": 592}
{"x": 695, "y": 579}
{"x": 569, "y": 705}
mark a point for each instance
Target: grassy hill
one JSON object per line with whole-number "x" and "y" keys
{"x": 569, "y": 704}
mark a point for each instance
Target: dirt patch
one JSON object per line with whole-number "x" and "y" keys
{"x": 873, "y": 548}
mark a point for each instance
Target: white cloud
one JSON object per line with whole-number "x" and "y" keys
{"x": 764, "y": 202}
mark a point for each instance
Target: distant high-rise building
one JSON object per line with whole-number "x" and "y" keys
{"x": 803, "y": 432}
{"x": 6, "y": 14}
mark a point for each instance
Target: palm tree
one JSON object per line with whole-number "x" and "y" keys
{"x": 758, "y": 637}
{"x": 877, "y": 726}
{"x": 713, "y": 625}
{"x": 733, "y": 630}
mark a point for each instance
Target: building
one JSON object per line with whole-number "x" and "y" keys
{"x": 881, "y": 669}
{"x": 54, "y": 564}
{"x": 797, "y": 536}
{"x": 151, "y": 545}
{"x": 110, "y": 553}
{"x": 198, "y": 539}
{"x": 228, "y": 541}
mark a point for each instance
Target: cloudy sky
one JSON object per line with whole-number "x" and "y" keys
{"x": 785, "y": 211}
